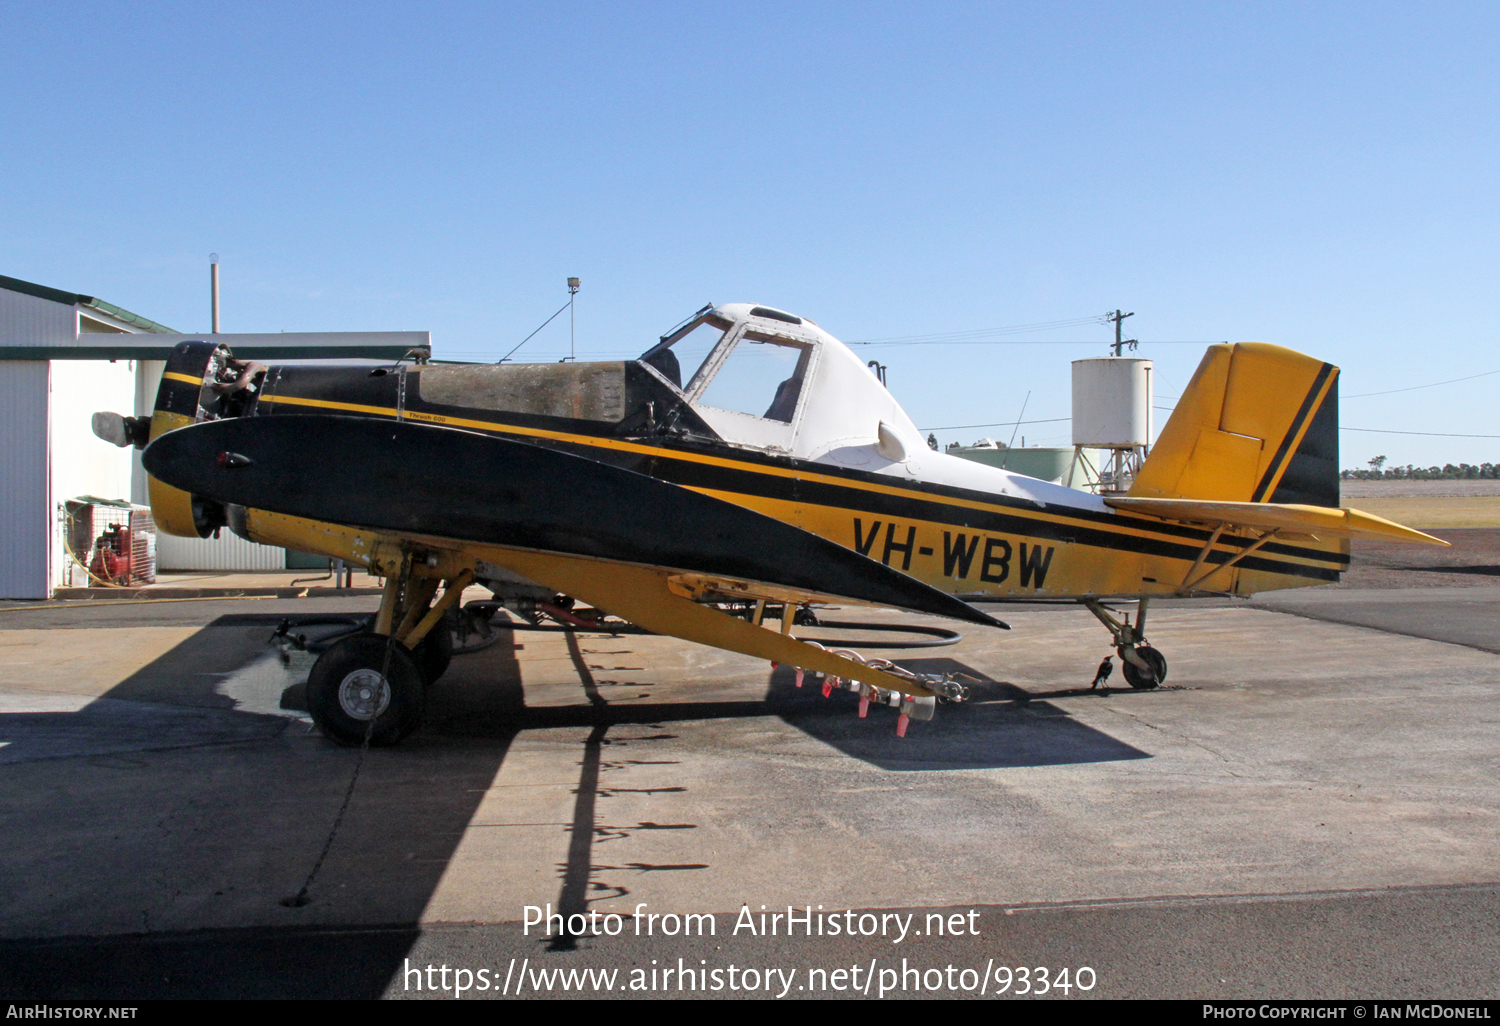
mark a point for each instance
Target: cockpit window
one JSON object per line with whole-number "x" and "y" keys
{"x": 762, "y": 377}
{"x": 680, "y": 359}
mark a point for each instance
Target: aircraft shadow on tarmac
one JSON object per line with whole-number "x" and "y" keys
{"x": 171, "y": 702}
{"x": 267, "y": 811}
{"x": 1001, "y": 725}
{"x": 1486, "y": 570}
{"x": 165, "y": 790}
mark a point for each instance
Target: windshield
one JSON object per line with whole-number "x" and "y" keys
{"x": 762, "y": 376}
{"x": 679, "y": 357}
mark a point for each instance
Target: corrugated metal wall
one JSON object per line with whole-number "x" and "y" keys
{"x": 25, "y": 460}
{"x": 27, "y": 538}
{"x": 29, "y": 321}
{"x": 227, "y": 552}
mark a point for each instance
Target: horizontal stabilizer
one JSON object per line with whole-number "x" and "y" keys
{"x": 418, "y": 479}
{"x": 1266, "y": 516}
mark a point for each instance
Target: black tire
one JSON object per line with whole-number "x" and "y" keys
{"x": 341, "y": 691}
{"x": 1138, "y": 679}
{"x": 435, "y": 652}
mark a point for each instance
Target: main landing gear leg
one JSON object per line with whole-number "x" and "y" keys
{"x": 430, "y": 636}
{"x": 1144, "y": 666}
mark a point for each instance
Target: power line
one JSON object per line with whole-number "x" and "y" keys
{"x": 1434, "y": 434}
{"x": 1040, "y": 342}
{"x": 1003, "y": 423}
{"x": 610, "y": 353}
{"x": 1058, "y": 420}
{"x": 1386, "y": 431}
{"x": 1413, "y": 388}
{"x": 976, "y": 333}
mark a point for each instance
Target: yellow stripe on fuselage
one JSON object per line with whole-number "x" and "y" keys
{"x": 1082, "y": 568}
{"x": 677, "y": 454}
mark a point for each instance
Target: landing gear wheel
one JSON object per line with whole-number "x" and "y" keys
{"x": 346, "y": 691}
{"x": 1136, "y": 677}
{"x": 434, "y": 652}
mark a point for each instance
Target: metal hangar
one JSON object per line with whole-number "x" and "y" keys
{"x": 64, "y": 356}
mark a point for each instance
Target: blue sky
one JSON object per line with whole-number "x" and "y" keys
{"x": 1321, "y": 176}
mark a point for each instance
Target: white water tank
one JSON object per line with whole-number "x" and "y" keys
{"x": 1112, "y": 402}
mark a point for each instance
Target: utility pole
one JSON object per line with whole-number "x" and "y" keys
{"x": 1117, "y": 318}
{"x": 573, "y": 284}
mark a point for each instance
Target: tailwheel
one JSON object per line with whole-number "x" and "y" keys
{"x": 1140, "y": 679}
{"x": 366, "y": 685}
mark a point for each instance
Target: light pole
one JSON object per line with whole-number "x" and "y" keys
{"x": 572, "y": 338}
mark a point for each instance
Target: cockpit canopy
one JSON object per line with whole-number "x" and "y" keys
{"x": 767, "y": 379}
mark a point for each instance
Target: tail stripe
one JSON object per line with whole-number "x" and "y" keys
{"x": 1293, "y": 437}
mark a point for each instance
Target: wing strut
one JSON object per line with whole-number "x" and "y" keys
{"x": 1189, "y": 584}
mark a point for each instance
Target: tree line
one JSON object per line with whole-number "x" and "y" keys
{"x": 1378, "y": 471}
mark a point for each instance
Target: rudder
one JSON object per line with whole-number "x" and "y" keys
{"x": 1257, "y": 423}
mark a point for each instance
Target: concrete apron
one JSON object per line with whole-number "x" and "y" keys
{"x": 162, "y": 778}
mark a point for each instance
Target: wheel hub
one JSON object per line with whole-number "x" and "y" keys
{"x": 364, "y": 694}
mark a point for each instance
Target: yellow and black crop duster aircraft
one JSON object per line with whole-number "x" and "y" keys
{"x": 747, "y": 457}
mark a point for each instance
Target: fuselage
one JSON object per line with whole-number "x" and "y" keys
{"x": 834, "y": 455}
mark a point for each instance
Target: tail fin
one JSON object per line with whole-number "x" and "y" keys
{"x": 1258, "y": 423}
